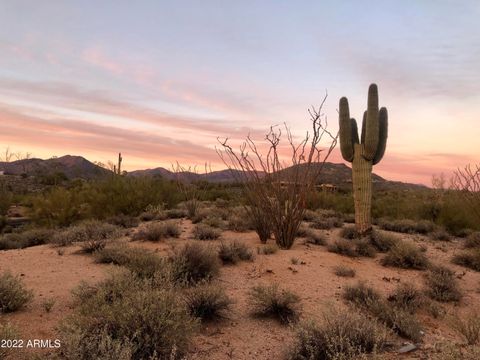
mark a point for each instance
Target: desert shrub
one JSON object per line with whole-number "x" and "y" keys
{"x": 342, "y": 335}
{"x": 271, "y": 301}
{"x": 349, "y": 232}
{"x": 140, "y": 261}
{"x": 309, "y": 215}
{"x": 48, "y": 304}
{"x": 25, "y": 239}
{"x": 7, "y": 332}
{"x": 468, "y": 258}
{"x": 214, "y": 222}
{"x": 344, "y": 271}
{"x": 360, "y": 294}
{"x": 406, "y": 297}
{"x": 175, "y": 213}
{"x": 88, "y": 231}
{"x": 383, "y": 241}
{"x": 233, "y": 252}
{"x": 405, "y": 255}
{"x": 239, "y": 220}
{"x": 407, "y": 226}
{"x": 327, "y": 223}
{"x": 207, "y": 302}
{"x": 343, "y": 247}
{"x": 468, "y": 328}
{"x": 302, "y": 230}
{"x": 205, "y": 232}
{"x": 363, "y": 247}
{"x": 442, "y": 284}
{"x": 158, "y": 231}
{"x": 314, "y": 237}
{"x": 440, "y": 235}
{"x": 194, "y": 263}
{"x": 267, "y": 249}
{"x": 124, "y": 317}
{"x": 13, "y": 294}
{"x": 473, "y": 240}
{"x": 124, "y": 221}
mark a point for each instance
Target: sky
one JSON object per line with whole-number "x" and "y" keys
{"x": 160, "y": 81}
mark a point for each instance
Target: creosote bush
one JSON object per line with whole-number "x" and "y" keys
{"x": 442, "y": 284}
{"x": 125, "y": 317}
{"x": 405, "y": 255}
{"x": 158, "y": 231}
{"x": 194, "y": 263}
{"x": 341, "y": 335}
{"x": 344, "y": 271}
{"x": 207, "y": 302}
{"x": 13, "y": 294}
{"x": 233, "y": 252}
{"x": 205, "y": 232}
{"x": 468, "y": 258}
{"x": 271, "y": 301}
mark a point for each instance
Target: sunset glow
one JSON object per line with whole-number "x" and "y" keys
{"x": 160, "y": 81}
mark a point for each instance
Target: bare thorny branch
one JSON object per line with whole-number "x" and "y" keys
{"x": 467, "y": 182}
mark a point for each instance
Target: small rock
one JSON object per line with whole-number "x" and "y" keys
{"x": 407, "y": 348}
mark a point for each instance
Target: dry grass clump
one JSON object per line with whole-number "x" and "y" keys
{"x": 175, "y": 213}
{"x": 341, "y": 335}
{"x": 233, "y": 252}
{"x": 468, "y": 328}
{"x": 194, "y": 263}
{"x": 125, "y": 317}
{"x": 94, "y": 231}
{"x": 472, "y": 240}
{"x": 140, "y": 261}
{"x": 405, "y": 255}
{"x": 349, "y": 232}
{"x": 326, "y": 223}
{"x": 449, "y": 351}
{"x": 13, "y": 294}
{"x": 344, "y": 271}
{"x": 440, "y": 235}
{"x": 442, "y": 284}
{"x": 25, "y": 239}
{"x": 302, "y": 230}
{"x": 407, "y": 226}
{"x": 206, "y": 232}
{"x": 406, "y": 297}
{"x": 363, "y": 247}
{"x": 314, "y": 237}
{"x": 239, "y": 220}
{"x": 343, "y": 247}
{"x": 397, "y": 319}
{"x": 383, "y": 241}
{"x": 469, "y": 259}
{"x": 159, "y": 231}
{"x": 124, "y": 221}
{"x": 267, "y": 249}
{"x": 271, "y": 301}
{"x": 7, "y": 332}
{"x": 207, "y": 302}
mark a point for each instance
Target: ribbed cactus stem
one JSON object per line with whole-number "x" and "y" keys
{"x": 362, "y": 189}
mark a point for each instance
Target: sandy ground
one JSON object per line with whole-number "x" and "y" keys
{"x": 241, "y": 336}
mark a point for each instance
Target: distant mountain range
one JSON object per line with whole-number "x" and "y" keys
{"x": 79, "y": 167}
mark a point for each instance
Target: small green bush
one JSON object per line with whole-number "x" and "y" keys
{"x": 468, "y": 258}
{"x": 442, "y": 284}
{"x": 13, "y": 294}
{"x": 344, "y": 271}
{"x": 233, "y": 252}
{"x": 207, "y": 302}
{"x": 193, "y": 263}
{"x": 405, "y": 255}
{"x": 205, "y": 232}
{"x": 342, "y": 335}
{"x": 271, "y": 301}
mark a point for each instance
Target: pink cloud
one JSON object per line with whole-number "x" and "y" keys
{"x": 97, "y": 57}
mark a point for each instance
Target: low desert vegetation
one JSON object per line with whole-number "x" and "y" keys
{"x": 440, "y": 235}
{"x": 315, "y": 237}
{"x": 272, "y": 301}
{"x": 405, "y": 255}
{"x": 349, "y": 232}
{"x": 352, "y": 248}
{"x": 208, "y": 302}
{"x": 267, "y": 249}
{"x": 206, "y": 232}
{"x": 341, "y": 335}
{"x": 407, "y": 297}
{"x": 408, "y": 226}
{"x": 442, "y": 284}
{"x": 21, "y": 240}
{"x": 468, "y": 258}
{"x": 383, "y": 241}
{"x": 7, "y": 332}
{"x": 473, "y": 240}
{"x": 326, "y": 223}
{"x": 94, "y": 231}
{"x": 469, "y": 327}
{"x": 124, "y": 221}
{"x": 48, "y": 304}
{"x": 194, "y": 263}
{"x": 344, "y": 271}
{"x": 233, "y": 252}
{"x": 158, "y": 231}
{"x": 13, "y": 293}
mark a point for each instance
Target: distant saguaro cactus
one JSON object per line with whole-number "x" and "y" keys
{"x": 119, "y": 167}
{"x": 363, "y": 153}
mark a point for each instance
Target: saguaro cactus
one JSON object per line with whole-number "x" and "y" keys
{"x": 363, "y": 153}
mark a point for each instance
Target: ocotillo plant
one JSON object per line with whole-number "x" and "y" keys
{"x": 363, "y": 153}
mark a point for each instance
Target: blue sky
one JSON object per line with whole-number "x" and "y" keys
{"x": 160, "y": 81}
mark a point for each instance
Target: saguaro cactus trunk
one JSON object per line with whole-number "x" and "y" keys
{"x": 363, "y": 153}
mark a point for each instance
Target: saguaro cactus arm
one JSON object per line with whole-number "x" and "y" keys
{"x": 346, "y": 127}
{"x": 382, "y": 135}
{"x": 372, "y": 126}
